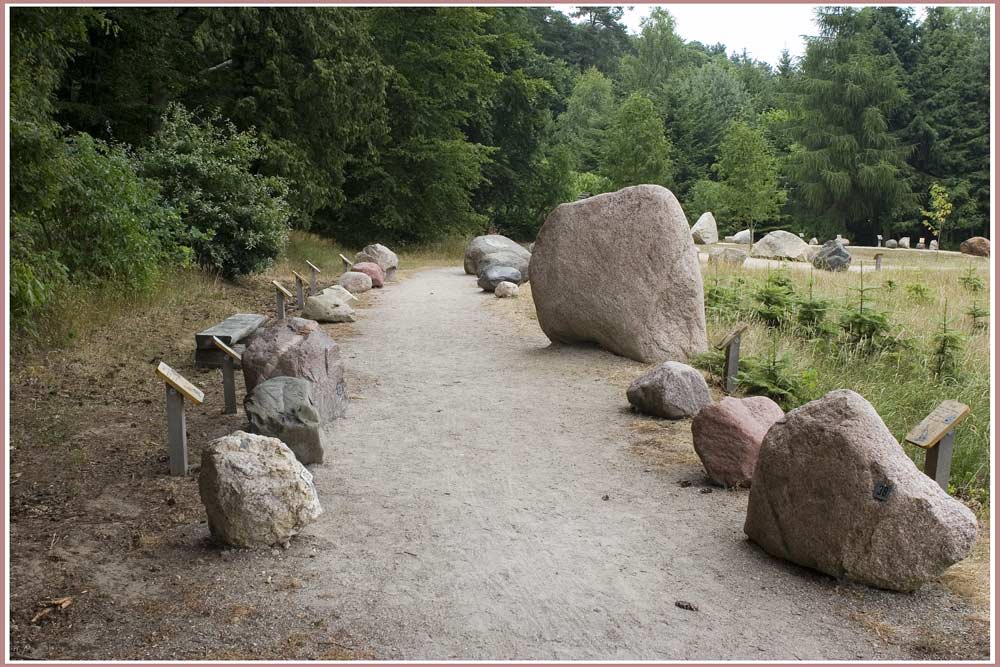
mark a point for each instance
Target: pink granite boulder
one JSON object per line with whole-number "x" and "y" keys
{"x": 372, "y": 270}
{"x": 727, "y": 437}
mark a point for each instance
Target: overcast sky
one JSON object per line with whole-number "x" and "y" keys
{"x": 763, "y": 30}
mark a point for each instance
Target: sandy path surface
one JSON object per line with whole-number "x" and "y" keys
{"x": 483, "y": 501}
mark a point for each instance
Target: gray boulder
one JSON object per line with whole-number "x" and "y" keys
{"x": 740, "y": 237}
{"x": 491, "y": 276}
{"x": 496, "y": 250}
{"x": 705, "y": 230}
{"x": 813, "y": 499}
{"x": 297, "y": 347}
{"x": 780, "y": 244}
{"x": 814, "y": 241}
{"x": 340, "y": 292}
{"x": 733, "y": 256}
{"x": 283, "y": 408}
{"x": 672, "y": 390}
{"x": 355, "y": 282}
{"x": 904, "y": 242}
{"x": 254, "y": 490}
{"x": 620, "y": 269}
{"x": 506, "y": 290}
{"x": 327, "y": 306}
{"x": 377, "y": 253}
{"x": 891, "y": 243}
{"x": 832, "y": 256}
{"x": 933, "y": 245}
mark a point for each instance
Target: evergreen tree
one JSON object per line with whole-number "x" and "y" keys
{"x": 849, "y": 167}
{"x": 637, "y": 150}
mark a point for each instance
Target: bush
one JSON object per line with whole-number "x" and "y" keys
{"x": 776, "y": 377}
{"x": 99, "y": 221}
{"x": 775, "y": 299}
{"x": 235, "y": 221}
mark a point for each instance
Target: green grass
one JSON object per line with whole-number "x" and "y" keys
{"x": 900, "y": 383}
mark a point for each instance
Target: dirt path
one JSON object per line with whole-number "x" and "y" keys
{"x": 483, "y": 502}
{"x": 489, "y": 496}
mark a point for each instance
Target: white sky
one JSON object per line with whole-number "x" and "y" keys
{"x": 763, "y": 30}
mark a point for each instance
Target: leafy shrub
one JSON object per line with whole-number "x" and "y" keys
{"x": 588, "y": 183}
{"x": 101, "y": 222}
{"x": 235, "y": 221}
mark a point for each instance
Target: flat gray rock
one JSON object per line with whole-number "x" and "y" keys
{"x": 283, "y": 407}
{"x": 231, "y": 330}
{"x": 495, "y": 250}
{"x": 328, "y": 306}
{"x": 780, "y": 244}
{"x": 672, "y": 390}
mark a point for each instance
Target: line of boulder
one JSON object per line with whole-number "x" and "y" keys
{"x": 813, "y": 475}
{"x": 254, "y": 483}
{"x": 499, "y": 264}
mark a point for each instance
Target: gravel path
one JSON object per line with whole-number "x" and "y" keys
{"x": 483, "y": 501}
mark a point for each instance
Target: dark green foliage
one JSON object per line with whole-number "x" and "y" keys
{"x": 946, "y": 347}
{"x": 918, "y": 292}
{"x": 867, "y": 330}
{"x": 812, "y": 313}
{"x": 776, "y": 377}
{"x": 713, "y": 361}
{"x": 235, "y": 221}
{"x": 971, "y": 281}
{"x": 636, "y": 149}
{"x": 775, "y": 300}
{"x": 980, "y": 317}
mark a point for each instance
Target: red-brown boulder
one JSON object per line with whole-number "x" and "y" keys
{"x": 977, "y": 245}
{"x": 727, "y": 437}
{"x": 372, "y": 270}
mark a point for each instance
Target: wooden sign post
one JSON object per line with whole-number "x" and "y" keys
{"x": 300, "y": 291}
{"x": 178, "y": 389}
{"x": 936, "y": 434}
{"x": 731, "y": 344}
{"x": 229, "y": 360}
{"x": 279, "y": 298}
{"x": 878, "y": 261}
{"x": 348, "y": 264}
{"x": 313, "y": 270}
{"x": 879, "y": 237}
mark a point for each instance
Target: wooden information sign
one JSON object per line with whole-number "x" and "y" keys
{"x": 177, "y": 389}
{"x": 348, "y": 264}
{"x": 731, "y": 344}
{"x": 878, "y": 261}
{"x": 179, "y": 383}
{"x": 300, "y": 287}
{"x": 279, "y": 299}
{"x": 936, "y": 434}
{"x": 228, "y": 374}
{"x": 313, "y": 270}
{"x": 936, "y": 425}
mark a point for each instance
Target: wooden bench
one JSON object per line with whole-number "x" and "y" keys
{"x": 230, "y": 331}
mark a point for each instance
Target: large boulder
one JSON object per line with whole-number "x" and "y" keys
{"x": 296, "y": 347}
{"x": 506, "y": 290}
{"x": 933, "y": 245}
{"x": 372, "y": 270}
{"x": 283, "y": 408}
{"x": 977, "y": 245}
{"x": 816, "y": 492}
{"x": 733, "y": 256}
{"x": 327, "y": 306}
{"x": 892, "y": 243}
{"x": 780, "y": 244}
{"x": 904, "y": 242}
{"x": 496, "y": 250}
{"x": 672, "y": 390}
{"x": 377, "y": 253}
{"x": 832, "y": 256}
{"x": 254, "y": 490}
{"x": 355, "y": 282}
{"x": 620, "y": 269}
{"x": 740, "y": 237}
{"x": 727, "y": 437}
{"x": 492, "y": 276}
{"x": 705, "y": 230}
